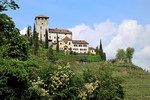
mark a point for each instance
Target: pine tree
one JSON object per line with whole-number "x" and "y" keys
{"x": 46, "y": 40}
{"x": 35, "y": 41}
{"x": 57, "y": 47}
{"x": 29, "y": 34}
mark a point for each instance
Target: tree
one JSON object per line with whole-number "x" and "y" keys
{"x": 104, "y": 56}
{"x": 50, "y": 54}
{"x": 16, "y": 46}
{"x": 29, "y": 33}
{"x": 129, "y": 53}
{"x": 5, "y": 4}
{"x": 6, "y": 26}
{"x": 46, "y": 40}
{"x": 57, "y": 47}
{"x": 121, "y": 54}
{"x": 97, "y": 50}
{"x": 101, "y": 53}
{"x": 14, "y": 81}
{"x": 35, "y": 41}
{"x": 101, "y": 50}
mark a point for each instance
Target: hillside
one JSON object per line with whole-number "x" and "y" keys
{"x": 37, "y": 74}
{"x": 135, "y": 80}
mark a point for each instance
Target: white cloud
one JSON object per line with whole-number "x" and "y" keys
{"x": 104, "y": 31}
{"x": 23, "y": 31}
{"x": 128, "y": 34}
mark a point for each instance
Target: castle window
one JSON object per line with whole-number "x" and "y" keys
{"x": 60, "y": 43}
{"x": 65, "y": 34}
{"x": 80, "y": 45}
{"x": 84, "y": 45}
{"x": 50, "y": 37}
{"x": 41, "y": 27}
{"x": 69, "y": 43}
{"x": 75, "y": 45}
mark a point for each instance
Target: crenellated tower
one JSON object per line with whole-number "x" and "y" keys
{"x": 42, "y": 24}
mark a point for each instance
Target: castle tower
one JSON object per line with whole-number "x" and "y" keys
{"x": 42, "y": 24}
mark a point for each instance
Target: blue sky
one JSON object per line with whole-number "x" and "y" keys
{"x": 119, "y": 23}
{"x": 68, "y": 13}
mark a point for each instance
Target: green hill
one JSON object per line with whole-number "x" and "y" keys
{"x": 135, "y": 80}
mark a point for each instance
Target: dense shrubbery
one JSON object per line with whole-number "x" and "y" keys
{"x": 14, "y": 80}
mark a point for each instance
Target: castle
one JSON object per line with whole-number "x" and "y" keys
{"x": 64, "y": 37}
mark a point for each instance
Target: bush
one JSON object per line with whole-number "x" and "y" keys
{"x": 14, "y": 81}
{"x": 100, "y": 85}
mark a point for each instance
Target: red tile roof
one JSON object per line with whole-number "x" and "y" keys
{"x": 91, "y": 48}
{"x": 66, "y": 38}
{"x": 60, "y": 31}
{"x": 79, "y": 42}
{"x": 41, "y": 16}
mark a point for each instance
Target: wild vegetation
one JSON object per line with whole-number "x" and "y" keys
{"x": 30, "y": 72}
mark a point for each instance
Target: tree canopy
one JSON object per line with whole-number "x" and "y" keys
{"x": 5, "y": 4}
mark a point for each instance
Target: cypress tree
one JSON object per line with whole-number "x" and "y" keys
{"x": 46, "y": 40}
{"x": 35, "y": 41}
{"x": 97, "y": 51}
{"x": 29, "y": 33}
{"x": 101, "y": 50}
{"x": 50, "y": 54}
{"x": 104, "y": 56}
{"x": 57, "y": 47}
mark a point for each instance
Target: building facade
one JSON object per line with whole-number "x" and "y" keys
{"x": 64, "y": 37}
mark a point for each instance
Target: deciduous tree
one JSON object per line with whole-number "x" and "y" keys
{"x": 5, "y": 4}
{"x": 121, "y": 54}
{"x": 129, "y": 53}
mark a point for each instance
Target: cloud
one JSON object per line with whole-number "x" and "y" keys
{"x": 127, "y": 34}
{"x": 104, "y": 31}
{"x": 23, "y": 31}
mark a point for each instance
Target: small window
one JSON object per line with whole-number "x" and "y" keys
{"x": 41, "y": 27}
{"x": 80, "y": 45}
{"x": 50, "y": 37}
{"x": 69, "y": 43}
{"x": 65, "y": 34}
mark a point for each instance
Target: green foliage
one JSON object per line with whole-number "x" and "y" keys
{"x": 121, "y": 54}
{"x": 57, "y": 46}
{"x": 14, "y": 81}
{"x": 101, "y": 53}
{"x": 129, "y": 53}
{"x": 4, "y": 4}
{"x": 100, "y": 85}
{"x": 6, "y": 26}
{"x": 29, "y": 35}
{"x": 37, "y": 90}
{"x": 16, "y": 46}
{"x": 46, "y": 40}
{"x": 52, "y": 56}
{"x": 35, "y": 41}
{"x": 97, "y": 50}
{"x": 89, "y": 52}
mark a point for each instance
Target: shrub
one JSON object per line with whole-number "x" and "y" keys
{"x": 100, "y": 85}
{"x": 14, "y": 81}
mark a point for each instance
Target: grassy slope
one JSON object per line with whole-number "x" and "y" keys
{"x": 136, "y": 82}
